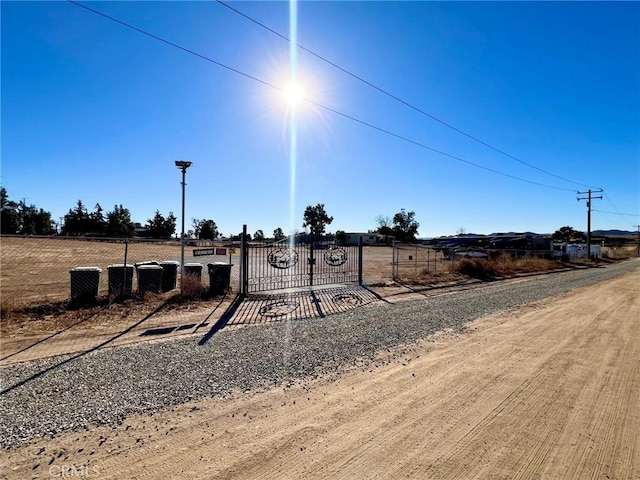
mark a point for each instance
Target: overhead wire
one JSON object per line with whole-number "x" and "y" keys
{"x": 398, "y": 99}
{"x": 609, "y": 200}
{"x": 344, "y": 115}
{"x": 617, "y": 213}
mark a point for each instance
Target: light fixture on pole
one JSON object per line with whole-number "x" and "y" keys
{"x": 182, "y": 165}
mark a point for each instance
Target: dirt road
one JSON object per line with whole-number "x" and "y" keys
{"x": 547, "y": 391}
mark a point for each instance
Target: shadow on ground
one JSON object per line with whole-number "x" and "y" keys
{"x": 258, "y": 309}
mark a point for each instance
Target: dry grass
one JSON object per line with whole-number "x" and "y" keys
{"x": 35, "y": 279}
{"x": 503, "y": 265}
{"x": 35, "y": 271}
{"x": 620, "y": 253}
{"x": 191, "y": 287}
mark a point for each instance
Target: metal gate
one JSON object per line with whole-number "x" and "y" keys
{"x": 288, "y": 265}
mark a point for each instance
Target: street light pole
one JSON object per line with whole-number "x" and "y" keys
{"x": 182, "y": 165}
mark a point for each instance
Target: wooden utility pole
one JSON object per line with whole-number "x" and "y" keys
{"x": 638, "y": 227}
{"x": 588, "y": 199}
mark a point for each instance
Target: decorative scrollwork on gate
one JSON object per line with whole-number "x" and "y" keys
{"x": 335, "y": 256}
{"x": 347, "y": 299}
{"x": 282, "y": 258}
{"x": 279, "y": 308}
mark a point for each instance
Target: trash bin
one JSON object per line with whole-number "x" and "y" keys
{"x": 219, "y": 277}
{"x": 169, "y": 275}
{"x": 149, "y": 279}
{"x": 193, "y": 269}
{"x": 120, "y": 279}
{"x": 84, "y": 284}
{"x": 148, "y": 262}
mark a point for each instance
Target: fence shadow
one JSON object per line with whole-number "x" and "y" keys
{"x": 85, "y": 352}
{"x": 224, "y": 319}
{"x": 204, "y": 322}
{"x": 378, "y": 297}
{"x": 49, "y": 337}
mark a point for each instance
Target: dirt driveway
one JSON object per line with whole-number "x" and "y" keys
{"x": 549, "y": 390}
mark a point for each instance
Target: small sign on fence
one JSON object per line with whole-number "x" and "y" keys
{"x": 201, "y": 252}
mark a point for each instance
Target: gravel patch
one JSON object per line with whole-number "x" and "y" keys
{"x": 47, "y": 397}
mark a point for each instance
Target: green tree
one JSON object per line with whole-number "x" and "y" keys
{"x": 20, "y": 218}
{"x": 405, "y": 226}
{"x": 10, "y": 217}
{"x": 76, "y": 221}
{"x": 316, "y": 219}
{"x": 208, "y": 230}
{"x": 118, "y": 223}
{"x": 97, "y": 221}
{"x": 384, "y": 226}
{"x": 568, "y": 234}
{"x": 278, "y": 234}
{"x": 341, "y": 237}
{"x": 197, "y": 226}
{"x": 205, "y": 229}
{"x": 258, "y": 236}
{"x": 161, "y": 227}
{"x": 36, "y": 221}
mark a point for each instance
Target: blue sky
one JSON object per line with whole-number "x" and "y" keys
{"x": 96, "y": 111}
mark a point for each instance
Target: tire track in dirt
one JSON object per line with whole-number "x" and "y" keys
{"x": 549, "y": 390}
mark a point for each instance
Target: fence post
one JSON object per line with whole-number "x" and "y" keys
{"x": 393, "y": 259}
{"x": 124, "y": 278}
{"x": 311, "y": 261}
{"x": 360, "y": 262}
{"x": 244, "y": 258}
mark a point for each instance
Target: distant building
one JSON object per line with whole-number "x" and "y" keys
{"x": 517, "y": 244}
{"x": 366, "y": 238}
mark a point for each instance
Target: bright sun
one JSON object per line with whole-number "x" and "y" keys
{"x": 293, "y": 94}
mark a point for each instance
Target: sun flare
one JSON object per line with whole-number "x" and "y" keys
{"x": 293, "y": 94}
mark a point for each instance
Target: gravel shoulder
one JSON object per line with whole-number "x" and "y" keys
{"x": 537, "y": 368}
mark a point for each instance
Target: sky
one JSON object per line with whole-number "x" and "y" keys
{"x": 502, "y": 112}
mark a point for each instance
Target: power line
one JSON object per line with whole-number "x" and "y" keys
{"x": 396, "y": 98}
{"x": 179, "y": 47}
{"x": 440, "y": 152}
{"x": 609, "y": 200}
{"x": 618, "y": 213}
{"x": 350, "y": 117}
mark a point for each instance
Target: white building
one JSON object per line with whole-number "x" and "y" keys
{"x": 367, "y": 238}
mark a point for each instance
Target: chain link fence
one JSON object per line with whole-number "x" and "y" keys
{"x": 40, "y": 270}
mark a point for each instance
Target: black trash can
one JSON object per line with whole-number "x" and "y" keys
{"x": 149, "y": 279}
{"x": 120, "y": 279}
{"x": 219, "y": 277}
{"x": 84, "y": 284}
{"x": 169, "y": 275}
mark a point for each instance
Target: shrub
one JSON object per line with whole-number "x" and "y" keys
{"x": 191, "y": 286}
{"x": 475, "y": 268}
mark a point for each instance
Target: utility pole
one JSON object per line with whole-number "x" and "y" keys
{"x": 588, "y": 199}
{"x": 638, "y": 226}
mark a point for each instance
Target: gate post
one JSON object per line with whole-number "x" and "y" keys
{"x": 394, "y": 262}
{"x": 244, "y": 260}
{"x": 312, "y": 262}
{"x": 360, "y": 262}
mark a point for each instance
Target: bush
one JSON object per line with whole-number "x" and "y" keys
{"x": 191, "y": 286}
{"x": 475, "y": 268}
